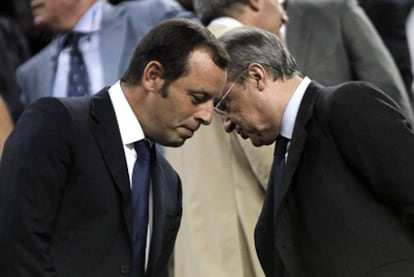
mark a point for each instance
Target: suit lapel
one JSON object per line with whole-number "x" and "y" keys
{"x": 159, "y": 188}
{"x": 167, "y": 209}
{"x": 298, "y": 138}
{"x": 105, "y": 129}
{"x": 157, "y": 218}
{"x": 265, "y": 239}
{"x": 48, "y": 72}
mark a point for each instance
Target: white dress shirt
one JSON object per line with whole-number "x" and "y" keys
{"x": 131, "y": 131}
{"x": 291, "y": 111}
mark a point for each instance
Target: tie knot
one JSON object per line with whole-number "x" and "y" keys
{"x": 142, "y": 148}
{"x": 281, "y": 144}
{"x": 72, "y": 40}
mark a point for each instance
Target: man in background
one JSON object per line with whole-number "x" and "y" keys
{"x": 389, "y": 18}
{"x": 94, "y": 41}
{"x": 339, "y": 33}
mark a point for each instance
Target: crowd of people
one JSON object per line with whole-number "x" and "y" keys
{"x": 303, "y": 170}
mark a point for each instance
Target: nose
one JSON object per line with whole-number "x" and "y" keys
{"x": 205, "y": 113}
{"x": 285, "y": 17}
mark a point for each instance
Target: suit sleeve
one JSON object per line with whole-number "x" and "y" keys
{"x": 376, "y": 141}
{"x": 377, "y": 66}
{"x": 33, "y": 171}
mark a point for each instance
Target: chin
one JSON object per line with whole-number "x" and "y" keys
{"x": 260, "y": 142}
{"x": 256, "y": 143}
{"x": 175, "y": 143}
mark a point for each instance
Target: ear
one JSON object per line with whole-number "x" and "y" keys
{"x": 152, "y": 78}
{"x": 257, "y": 73}
{"x": 254, "y": 5}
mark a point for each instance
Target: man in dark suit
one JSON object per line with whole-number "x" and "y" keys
{"x": 65, "y": 177}
{"x": 340, "y": 199}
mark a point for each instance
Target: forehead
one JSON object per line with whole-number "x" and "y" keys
{"x": 203, "y": 74}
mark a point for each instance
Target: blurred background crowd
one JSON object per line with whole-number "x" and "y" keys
{"x": 379, "y": 50}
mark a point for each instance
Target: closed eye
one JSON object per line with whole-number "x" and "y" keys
{"x": 199, "y": 98}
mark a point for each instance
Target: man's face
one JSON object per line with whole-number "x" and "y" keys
{"x": 53, "y": 14}
{"x": 189, "y": 101}
{"x": 247, "y": 113}
{"x": 273, "y": 17}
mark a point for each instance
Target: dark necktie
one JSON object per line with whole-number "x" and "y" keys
{"x": 140, "y": 195}
{"x": 279, "y": 164}
{"x": 78, "y": 81}
{"x": 265, "y": 233}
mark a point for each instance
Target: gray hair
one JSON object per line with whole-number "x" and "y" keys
{"x": 207, "y": 10}
{"x": 247, "y": 45}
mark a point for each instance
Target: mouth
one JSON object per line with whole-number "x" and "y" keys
{"x": 189, "y": 131}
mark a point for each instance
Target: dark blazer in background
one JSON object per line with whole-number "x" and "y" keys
{"x": 14, "y": 50}
{"x": 333, "y": 41}
{"x": 389, "y": 18}
{"x": 65, "y": 201}
{"x": 347, "y": 203}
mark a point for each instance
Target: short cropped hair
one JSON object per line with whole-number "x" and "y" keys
{"x": 247, "y": 45}
{"x": 171, "y": 43}
{"x": 208, "y": 10}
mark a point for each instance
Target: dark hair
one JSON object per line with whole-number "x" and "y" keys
{"x": 171, "y": 43}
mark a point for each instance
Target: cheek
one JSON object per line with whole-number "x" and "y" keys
{"x": 178, "y": 111}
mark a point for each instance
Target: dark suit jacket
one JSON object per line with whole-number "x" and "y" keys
{"x": 65, "y": 202}
{"x": 347, "y": 199}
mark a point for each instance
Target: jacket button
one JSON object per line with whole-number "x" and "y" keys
{"x": 125, "y": 269}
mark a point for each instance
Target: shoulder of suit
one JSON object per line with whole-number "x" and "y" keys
{"x": 39, "y": 60}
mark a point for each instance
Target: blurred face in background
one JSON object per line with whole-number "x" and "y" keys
{"x": 58, "y": 15}
{"x": 272, "y": 16}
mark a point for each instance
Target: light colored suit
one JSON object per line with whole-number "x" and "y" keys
{"x": 122, "y": 28}
{"x": 224, "y": 179}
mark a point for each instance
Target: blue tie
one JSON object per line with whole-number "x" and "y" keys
{"x": 140, "y": 195}
{"x": 78, "y": 81}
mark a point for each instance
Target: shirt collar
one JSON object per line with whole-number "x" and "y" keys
{"x": 292, "y": 108}
{"x": 89, "y": 23}
{"x": 129, "y": 126}
{"x": 227, "y": 21}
